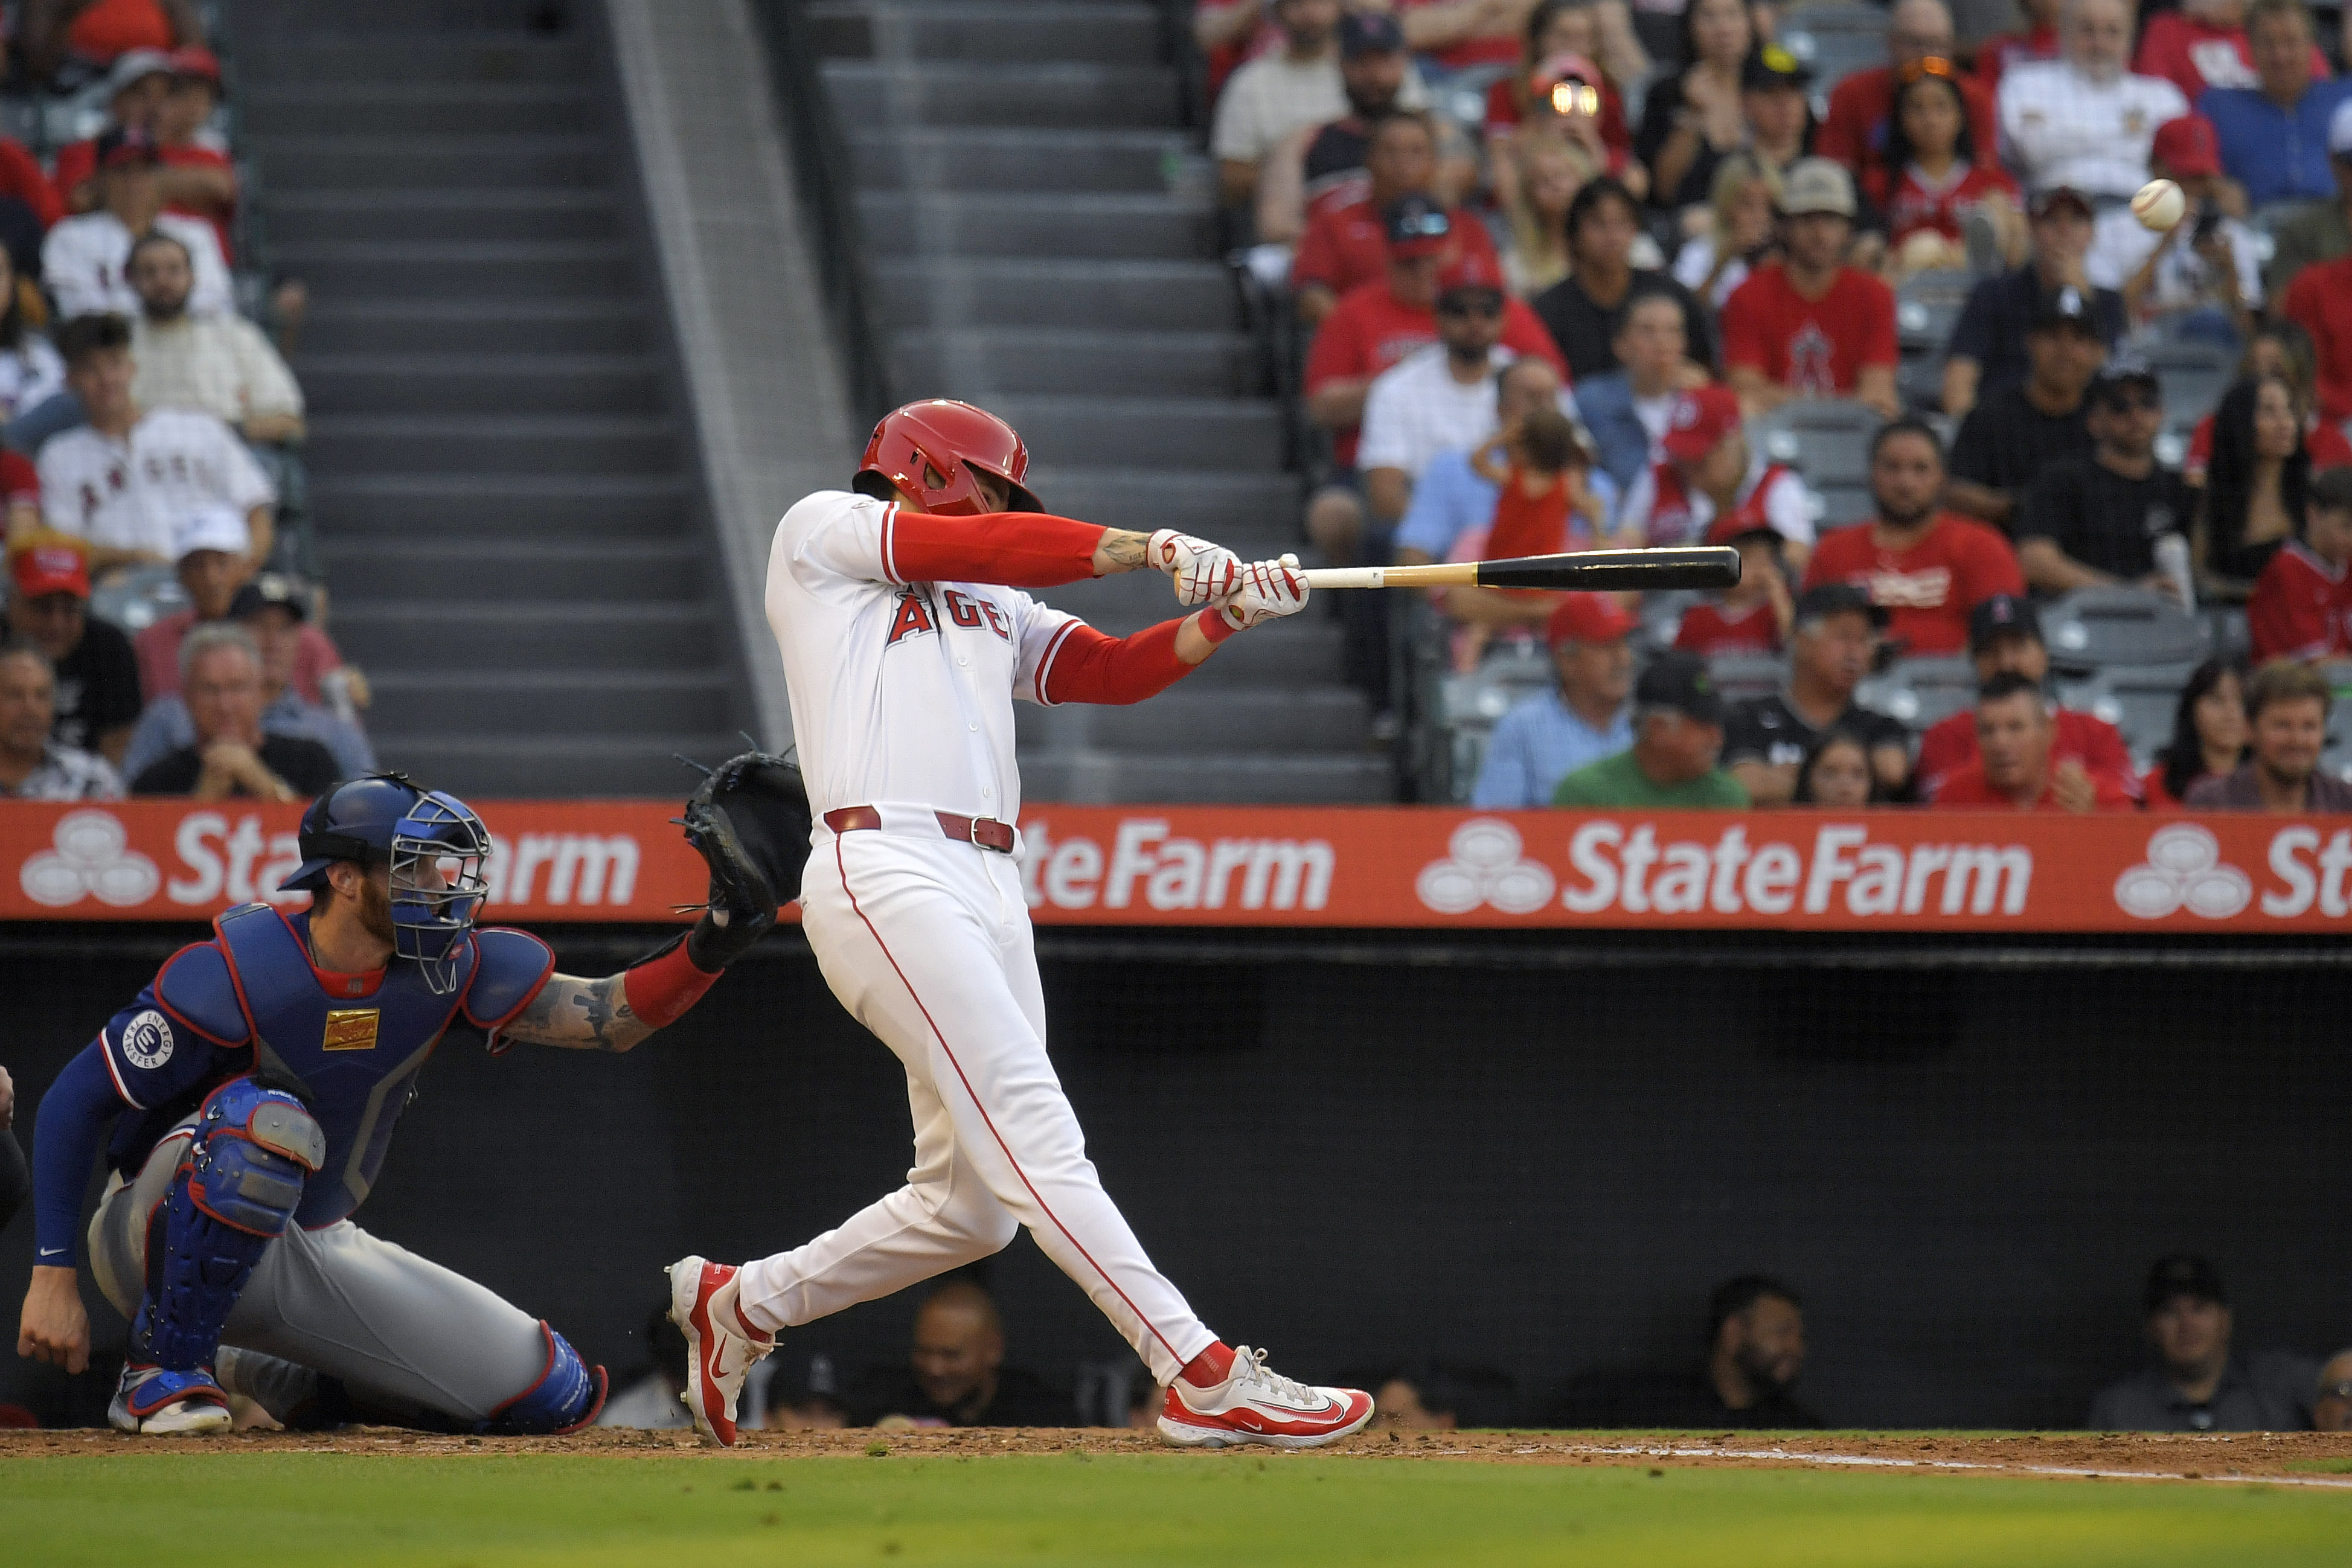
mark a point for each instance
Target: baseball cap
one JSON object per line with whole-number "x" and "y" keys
{"x": 1369, "y": 33}
{"x": 1679, "y": 681}
{"x": 1700, "y": 420}
{"x": 134, "y": 66}
{"x": 2187, "y": 147}
{"x": 268, "y": 588}
{"x": 2183, "y": 1274}
{"x": 210, "y": 527}
{"x": 1772, "y": 67}
{"x": 195, "y": 60}
{"x": 2064, "y": 306}
{"x": 1416, "y": 226}
{"x": 1826, "y": 599}
{"x": 1587, "y": 618}
{"x": 1470, "y": 270}
{"x": 44, "y": 569}
{"x": 2121, "y": 372}
{"x": 2050, "y": 201}
{"x": 119, "y": 148}
{"x": 1817, "y": 185}
{"x": 2003, "y": 615}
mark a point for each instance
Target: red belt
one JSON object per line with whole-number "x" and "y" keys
{"x": 985, "y": 832}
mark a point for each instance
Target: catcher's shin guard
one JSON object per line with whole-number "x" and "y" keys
{"x": 567, "y": 1397}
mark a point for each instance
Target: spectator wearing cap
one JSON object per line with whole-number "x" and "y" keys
{"x": 1324, "y": 162}
{"x": 1924, "y": 567}
{"x": 2083, "y": 120}
{"x": 1706, "y": 469}
{"x": 100, "y": 32}
{"x": 220, "y": 676}
{"x": 1936, "y": 181}
{"x": 1692, "y": 121}
{"x": 1754, "y": 615}
{"x": 2321, "y": 232}
{"x": 1677, "y": 741}
{"x": 1439, "y": 398}
{"x": 274, "y": 611}
{"x": 2332, "y": 1411}
{"x": 1988, "y": 347}
{"x": 1373, "y": 328}
{"x": 1349, "y": 243}
{"x": 136, "y": 86}
{"x": 2198, "y": 1384}
{"x": 2094, "y": 520}
{"x": 33, "y": 765}
{"x": 2005, "y": 639}
{"x": 1766, "y": 740}
{"x": 2319, "y": 300}
{"x": 2017, "y": 432}
{"x": 1860, "y": 121}
{"x": 2286, "y": 709}
{"x": 2206, "y": 45}
{"x": 218, "y": 364}
{"x": 1775, "y": 99}
{"x": 2017, "y": 765}
{"x": 1278, "y": 94}
{"x": 1581, "y": 720}
{"x": 1628, "y": 411}
{"x": 2037, "y": 41}
{"x": 212, "y": 569}
{"x": 97, "y": 674}
{"x": 199, "y": 180}
{"x": 125, "y": 481}
{"x": 1808, "y": 325}
{"x": 1580, "y": 309}
{"x": 2273, "y": 129}
{"x": 2207, "y": 273}
{"x": 2301, "y": 604}
{"x": 85, "y": 260}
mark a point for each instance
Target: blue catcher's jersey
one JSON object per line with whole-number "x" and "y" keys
{"x": 350, "y": 1046}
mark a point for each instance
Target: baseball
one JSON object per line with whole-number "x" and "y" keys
{"x": 2159, "y": 206}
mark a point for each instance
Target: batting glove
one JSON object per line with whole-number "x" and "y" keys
{"x": 1202, "y": 571}
{"x": 1263, "y": 588}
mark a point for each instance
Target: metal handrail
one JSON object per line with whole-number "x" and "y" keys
{"x": 821, "y": 173}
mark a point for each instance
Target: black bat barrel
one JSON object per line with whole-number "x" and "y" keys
{"x": 1618, "y": 571}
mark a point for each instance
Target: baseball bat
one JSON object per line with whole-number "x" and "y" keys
{"x": 1596, "y": 571}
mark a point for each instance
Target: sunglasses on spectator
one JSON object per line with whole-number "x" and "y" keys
{"x": 1929, "y": 65}
{"x": 1471, "y": 302}
{"x": 1421, "y": 226}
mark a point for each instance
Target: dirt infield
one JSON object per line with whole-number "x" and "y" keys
{"x": 2301, "y": 1459}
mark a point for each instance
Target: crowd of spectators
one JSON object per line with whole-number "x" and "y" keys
{"x": 1698, "y": 239}
{"x": 165, "y": 626}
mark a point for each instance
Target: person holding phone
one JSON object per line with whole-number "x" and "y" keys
{"x": 2208, "y": 271}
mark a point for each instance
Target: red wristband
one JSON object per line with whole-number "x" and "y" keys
{"x": 661, "y": 989}
{"x": 1215, "y": 627}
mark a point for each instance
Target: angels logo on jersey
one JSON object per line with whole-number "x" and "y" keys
{"x": 1911, "y": 590}
{"x": 914, "y": 615}
{"x": 1810, "y": 370}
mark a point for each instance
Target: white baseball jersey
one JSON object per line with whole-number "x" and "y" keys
{"x": 130, "y": 495}
{"x": 82, "y": 262}
{"x": 901, "y": 693}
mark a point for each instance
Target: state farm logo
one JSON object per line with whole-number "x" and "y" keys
{"x": 93, "y": 858}
{"x": 2183, "y": 871}
{"x": 1484, "y": 866}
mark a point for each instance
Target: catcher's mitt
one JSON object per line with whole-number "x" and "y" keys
{"x": 749, "y": 823}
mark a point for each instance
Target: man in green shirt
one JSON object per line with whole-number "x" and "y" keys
{"x": 1677, "y": 735}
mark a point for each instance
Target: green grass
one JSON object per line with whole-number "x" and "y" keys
{"x": 589, "y": 1510}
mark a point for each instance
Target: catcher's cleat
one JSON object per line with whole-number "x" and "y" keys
{"x": 1254, "y": 1404}
{"x": 717, "y": 1356}
{"x": 162, "y": 1404}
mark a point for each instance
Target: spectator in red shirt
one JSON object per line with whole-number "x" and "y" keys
{"x": 1927, "y": 568}
{"x": 199, "y": 178}
{"x": 2208, "y": 735}
{"x": 2319, "y": 300}
{"x": 2281, "y": 351}
{"x": 1563, "y": 36}
{"x": 1936, "y": 175}
{"x": 2005, "y": 639}
{"x": 2202, "y": 44}
{"x": 1754, "y": 615}
{"x": 2038, "y": 42}
{"x": 137, "y": 87}
{"x": 2301, "y": 604}
{"x": 1347, "y": 241}
{"x": 1460, "y": 33}
{"x": 1861, "y": 116}
{"x": 100, "y": 32}
{"x": 1812, "y": 326}
{"x": 1373, "y": 326}
{"x": 2017, "y": 766}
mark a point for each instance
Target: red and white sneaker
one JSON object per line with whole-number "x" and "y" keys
{"x": 716, "y": 1354}
{"x": 1254, "y": 1404}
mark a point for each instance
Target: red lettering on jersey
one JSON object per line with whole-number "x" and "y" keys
{"x": 996, "y": 621}
{"x": 960, "y": 610}
{"x": 914, "y": 615}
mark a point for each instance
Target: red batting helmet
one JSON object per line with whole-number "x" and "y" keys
{"x": 927, "y": 450}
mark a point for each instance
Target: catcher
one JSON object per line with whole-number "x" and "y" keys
{"x": 252, "y": 1090}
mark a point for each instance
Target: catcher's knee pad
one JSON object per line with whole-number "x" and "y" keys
{"x": 236, "y": 1193}
{"x": 566, "y": 1398}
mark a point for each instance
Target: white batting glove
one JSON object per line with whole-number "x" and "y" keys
{"x": 1202, "y": 571}
{"x": 1264, "y": 588}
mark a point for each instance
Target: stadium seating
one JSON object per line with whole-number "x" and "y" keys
{"x": 1826, "y": 440}
{"x": 1835, "y": 40}
{"x": 1920, "y": 692}
{"x": 2102, "y": 628}
{"x": 2139, "y": 702}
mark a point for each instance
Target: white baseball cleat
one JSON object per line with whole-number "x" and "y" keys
{"x": 1254, "y": 1404}
{"x": 717, "y": 1357}
{"x": 162, "y": 1404}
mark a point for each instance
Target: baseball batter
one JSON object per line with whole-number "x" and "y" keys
{"x": 906, "y": 633}
{"x": 252, "y": 1089}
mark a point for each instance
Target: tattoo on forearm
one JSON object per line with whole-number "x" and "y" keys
{"x": 584, "y": 1015}
{"x": 1124, "y": 547}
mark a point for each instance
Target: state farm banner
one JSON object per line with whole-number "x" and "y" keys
{"x": 624, "y": 860}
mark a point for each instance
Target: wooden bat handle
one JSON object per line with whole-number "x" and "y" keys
{"x": 1444, "y": 574}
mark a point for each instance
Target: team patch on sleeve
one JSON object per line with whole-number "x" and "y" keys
{"x": 147, "y": 1040}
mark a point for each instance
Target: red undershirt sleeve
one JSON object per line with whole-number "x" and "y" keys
{"x": 1013, "y": 550}
{"x": 1091, "y": 666}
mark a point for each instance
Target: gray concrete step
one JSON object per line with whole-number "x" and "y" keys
{"x": 1209, "y": 778}
{"x": 293, "y": 53}
{"x": 309, "y": 217}
{"x": 1225, "y": 433}
{"x": 463, "y": 383}
{"x": 433, "y": 634}
{"x": 462, "y": 269}
{"x": 1180, "y": 720}
{"x": 1143, "y": 295}
{"x": 531, "y": 703}
{"x": 1129, "y": 226}
{"x": 345, "y": 108}
{"x": 391, "y": 163}
{"x": 491, "y": 326}
{"x": 1212, "y": 505}
{"x": 552, "y": 510}
{"x": 870, "y": 95}
{"x": 520, "y": 19}
{"x": 987, "y": 158}
{"x": 506, "y": 444}
{"x": 613, "y": 764}
{"x": 980, "y": 364}
{"x": 1030, "y": 30}
{"x": 584, "y": 571}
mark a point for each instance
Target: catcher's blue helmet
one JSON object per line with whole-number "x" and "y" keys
{"x": 435, "y": 845}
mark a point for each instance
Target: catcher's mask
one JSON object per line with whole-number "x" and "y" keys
{"x": 436, "y": 848}
{"x": 928, "y": 451}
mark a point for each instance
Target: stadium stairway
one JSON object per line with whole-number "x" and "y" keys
{"x": 1021, "y": 172}
{"x": 517, "y": 546}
